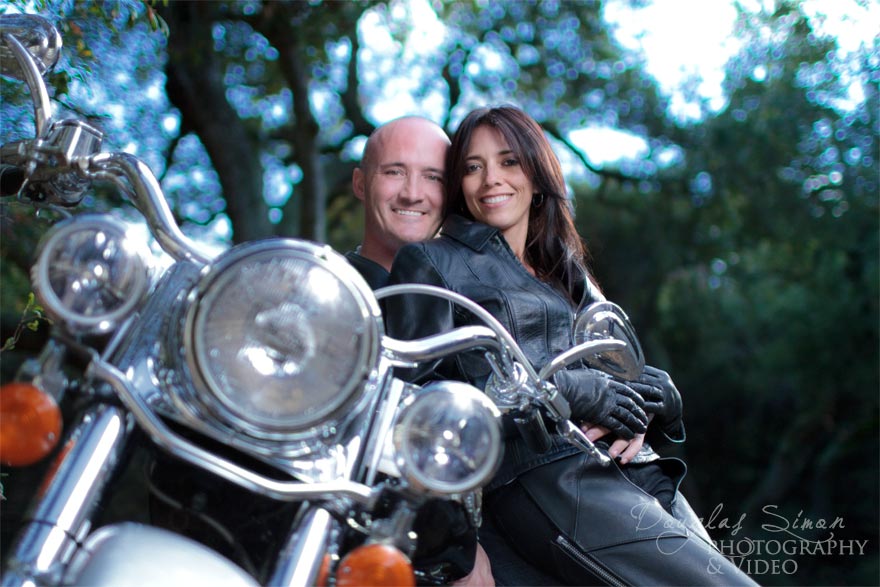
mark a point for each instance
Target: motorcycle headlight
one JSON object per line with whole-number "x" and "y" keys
{"x": 90, "y": 273}
{"x": 281, "y": 334}
{"x": 448, "y": 438}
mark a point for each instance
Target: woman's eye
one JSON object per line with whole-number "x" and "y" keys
{"x": 471, "y": 168}
{"x": 510, "y": 162}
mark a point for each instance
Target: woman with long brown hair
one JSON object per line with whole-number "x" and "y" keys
{"x": 509, "y": 243}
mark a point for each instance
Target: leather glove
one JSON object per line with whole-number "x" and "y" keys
{"x": 603, "y": 401}
{"x": 661, "y": 399}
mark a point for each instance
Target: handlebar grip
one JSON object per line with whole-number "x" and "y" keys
{"x": 534, "y": 432}
{"x": 11, "y": 179}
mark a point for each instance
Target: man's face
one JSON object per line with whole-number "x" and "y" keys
{"x": 401, "y": 184}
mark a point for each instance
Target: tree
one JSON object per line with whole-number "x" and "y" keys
{"x": 300, "y": 54}
{"x": 744, "y": 245}
{"x": 756, "y": 282}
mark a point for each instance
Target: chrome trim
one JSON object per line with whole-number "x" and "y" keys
{"x": 148, "y": 198}
{"x": 299, "y": 562}
{"x": 509, "y": 353}
{"x": 428, "y": 399}
{"x": 606, "y": 320}
{"x": 38, "y": 35}
{"x": 378, "y": 437}
{"x": 70, "y": 492}
{"x": 31, "y": 73}
{"x": 195, "y": 455}
{"x": 578, "y": 352}
{"x": 151, "y": 356}
{"x": 505, "y": 343}
{"x": 410, "y": 353}
{"x": 134, "y": 252}
{"x": 352, "y": 395}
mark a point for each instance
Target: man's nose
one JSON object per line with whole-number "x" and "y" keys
{"x": 412, "y": 188}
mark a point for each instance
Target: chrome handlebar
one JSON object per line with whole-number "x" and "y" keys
{"x": 517, "y": 376}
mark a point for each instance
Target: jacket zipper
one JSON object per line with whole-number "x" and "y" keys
{"x": 586, "y": 560}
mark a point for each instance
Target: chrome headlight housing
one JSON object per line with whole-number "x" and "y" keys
{"x": 90, "y": 273}
{"x": 280, "y": 336}
{"x": 447, "y": 438}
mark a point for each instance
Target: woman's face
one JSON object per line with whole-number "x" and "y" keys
{"x": 496, "y": 190}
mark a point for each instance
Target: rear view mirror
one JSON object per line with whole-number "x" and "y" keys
{"x": 29, "y": 48}
{"x": 607, "y": 321}
{"x": 36, "y": 35}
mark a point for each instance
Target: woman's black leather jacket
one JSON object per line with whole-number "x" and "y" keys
{"x": 474, "y": 260}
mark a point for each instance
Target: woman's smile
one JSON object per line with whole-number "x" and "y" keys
{"x": 499, "y": 199}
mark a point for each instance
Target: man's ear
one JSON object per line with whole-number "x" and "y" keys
{"x": 357, "y": 183}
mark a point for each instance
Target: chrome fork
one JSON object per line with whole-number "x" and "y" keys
{"x": 62, "y": 515}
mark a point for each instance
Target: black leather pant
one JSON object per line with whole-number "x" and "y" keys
{"x": 580, "y": 523}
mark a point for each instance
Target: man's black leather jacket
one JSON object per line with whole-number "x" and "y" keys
{"x": 375, "y": 275}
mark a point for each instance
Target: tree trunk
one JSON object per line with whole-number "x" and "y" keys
{"x": 195, "y": 86}
{"x": 311, "y": 194}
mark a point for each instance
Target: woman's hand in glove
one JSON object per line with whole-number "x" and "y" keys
{"x": 600, "y": 400}
{"x": 661, "y": 399}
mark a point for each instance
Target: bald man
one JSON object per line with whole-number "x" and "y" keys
{"x": 400, "y": 182}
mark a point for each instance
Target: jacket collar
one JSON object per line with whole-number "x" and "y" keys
{"x": 374, "y": 274}
{"x": 477, "y": 235}
{"x": 470, "y": 233}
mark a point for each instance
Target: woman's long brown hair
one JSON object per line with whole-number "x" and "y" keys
{"x": 553, "y": 247}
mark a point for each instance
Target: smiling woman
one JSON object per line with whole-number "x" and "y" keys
{"x": 510, "y": 245}
{"x": 504, "y": 173}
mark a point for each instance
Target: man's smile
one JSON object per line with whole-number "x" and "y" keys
{"x": 408, "y": 212}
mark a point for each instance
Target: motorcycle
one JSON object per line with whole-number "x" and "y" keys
{"x": 264, "y": 369}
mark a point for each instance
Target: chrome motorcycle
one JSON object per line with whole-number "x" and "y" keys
{"x": 264, "y": 367}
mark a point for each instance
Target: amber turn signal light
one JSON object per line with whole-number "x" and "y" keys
{"x": 375, "y": 565}
{"x": 323, "y": 579}
{"x": 30, "y": 424}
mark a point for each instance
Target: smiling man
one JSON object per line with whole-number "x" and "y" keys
{"x": 400, "y": 181}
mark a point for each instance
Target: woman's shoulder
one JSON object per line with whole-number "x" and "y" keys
{"x": 459, "y": 246}
{"x": 470, "y": 233}
{"x": 437, "y": 251}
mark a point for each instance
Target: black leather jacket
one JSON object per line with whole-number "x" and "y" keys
{"x": 375, "y": 274}
{"x": 474, "y": 260}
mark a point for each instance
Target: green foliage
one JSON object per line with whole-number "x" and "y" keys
{"x": 756, "y": 284}
{"x": 31, "y": 317}
{"x": 750, "y": 262}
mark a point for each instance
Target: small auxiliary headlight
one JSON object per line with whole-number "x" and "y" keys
{"x": 448, "y": 438}
{"x": 90, "y": 273}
